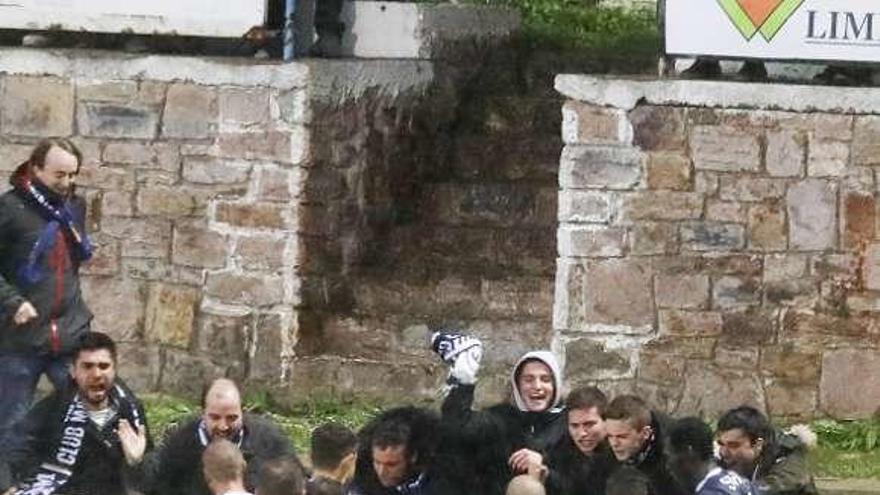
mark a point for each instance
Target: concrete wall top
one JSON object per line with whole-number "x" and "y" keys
{"x": 627, "y": 93}
{"x": 103, "y": 65}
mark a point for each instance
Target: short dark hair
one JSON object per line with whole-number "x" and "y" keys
{"x": 691, "y": 435}
{"x": 392, "y": 432}
{"x": 38, "y": 155}
{"x": 748, "y": 419}
{"x": 631, "y": 409}
{"x": 323, "y": 486}
{"x": 94, "y": 341}
{"x": 281, "y": 476}
{"x": 627, "y": 480}
{"x": 587, "y": 398}
{"x": 331, "y": 442}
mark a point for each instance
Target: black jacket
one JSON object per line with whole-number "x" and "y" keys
{"x": 100, "y": 467}
{"x": 484, "y": 440}
{"x": 652, "y": 461}
{"x": 573, "y": 473}
{"x": 783, "y": 468}
{"x": 56, "y": 297}
{"x": 175, "y": 468}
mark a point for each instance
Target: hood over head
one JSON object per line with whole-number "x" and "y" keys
{"x": 550, "y": 360}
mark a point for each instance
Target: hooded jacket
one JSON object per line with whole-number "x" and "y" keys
{"x": 484, "y": 440}
{"x": 783, "y": 468}
{"x": 57, "y": 297}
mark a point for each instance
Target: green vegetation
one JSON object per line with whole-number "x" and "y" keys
{"x": 847, "y": 449}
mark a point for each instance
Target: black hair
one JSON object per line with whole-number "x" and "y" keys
{"x": 627, "y": 480}
{"x": 94, "y": 341}
{"x": 331, "y": 442}
{"x": 587, "y": 398}
{"x": 691, "y": 435}
{"x": 282, "y": 476}
{"x": 323, "y": 486}
{"x": 748, "y": 419}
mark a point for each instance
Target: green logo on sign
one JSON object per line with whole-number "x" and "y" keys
{"x": 759, "y": 16}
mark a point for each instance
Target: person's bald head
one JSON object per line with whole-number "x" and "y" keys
{"x": 525, "y": 485}
{"x": 221, "y": 409}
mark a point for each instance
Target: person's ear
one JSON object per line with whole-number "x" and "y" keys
{"x": 347, "y": 465}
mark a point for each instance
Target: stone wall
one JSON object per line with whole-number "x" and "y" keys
{"x": 718, "y": 244}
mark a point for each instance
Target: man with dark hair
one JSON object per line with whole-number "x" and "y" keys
{"x": 637, "y": 436}
{"x": 775, "y": 461}
{"x": 505, "y": 440}
{"x": 282, "y": 476}
{"x": 81, "y": 440}
{"x": 581, "y": 463}
{"x": 334, "y": 453}
{"x": 692, "y": 461}
{"x": 42, "y": 243}
{"x": 223, "y": 467}
{"x": 397, "y": 455}
{"x": 176, "y": 467}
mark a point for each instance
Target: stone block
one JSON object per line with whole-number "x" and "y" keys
{"x": 683, "y": 347}
{"x": 584, "y": 206}
{"x": 648, "y": 238}
{"x": 12, "y": 155}
{"x": 140, "y": 238}
{"x": 682, "y": 291}
{"x": 252, "y": 215}
{"x": 260, "y": 252}
{"x": 658, "y": 128}
{"x": 735, "y": 356}
{"x": 105, "y": 260}
{"x": 749, "y": 327}
{"x": 293, "y": 106}
{"x": 589, "y": 358}
{"x": 139, "y": 365}
{"x": 733, "y": 264}
{"x": 745, "y": 188}
{"x": 827, "y": 158}
{"x": 185, "y": 374}
{"x": 786, "y": 153}
{"x": 585, "y": 167}
{"x": 190, "y": 112}
{"x": 726, "y": 212}
{"x": 116, "y": 120}
{"x": 866, "y": 141}
{"x": 275, "y": 146}
{"x": 767, "y": 228}
{"x": 787, "y": 401}
{"x": 710, "y": 391}
{"x": 690, "y": 323}
{"x": 170, "y": 314}
{"x": 613, "y": 292}
{"x": 116, "y": 203}
{"x": 275, "y": 184}
{"x": 866, "y": 303}
{"x": 106, "y": 178}
{"x": 242, "y": 108}
{"x": 709, "y": 236}
{"x": 812, "y": 215}
{"x": 171, "y": 202}
{"x": 591, "y": 242}
{"x": 159, "y": 270}
{"x": 859, "y": 217}
{"x": 787, "y": 266}
{"x": 273, "y": 336}
{"x": 118, "y": 306}
{"x": 661, "y": 368}
{"x": 841, "y": 370}
{"x": 735, "y": 292}
{"x": 669, "y": 171}
{"x": 661, "y": 205}
{"x": 725, "y": 149}
{"x": 149, "y": 92}
{"x": 224, "y": 332}
{"x": 871, "y": 268}
{"x": 197, "y": 246}
{"x": 252, "y": 290}
{"x": 785, "y": 362}
{"x": 213, "y": 171}
{"x": 36, "y": 106}
{"x": 706, "y": 183}
{"x": 589, "y": 124}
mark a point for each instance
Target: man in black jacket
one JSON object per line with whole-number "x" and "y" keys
{"x": 498, "y": 443}
{"x": 637, "y": 436}
{"x": 42, "y": 243}
{"x": 176, "y": 466}
{"x": 84, "y": 440}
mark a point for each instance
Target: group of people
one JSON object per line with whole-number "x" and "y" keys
{"x": 90, "y": 436}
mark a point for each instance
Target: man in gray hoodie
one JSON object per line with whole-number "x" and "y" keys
{"x": 495, "y": 444}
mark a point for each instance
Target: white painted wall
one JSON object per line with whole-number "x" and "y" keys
{"x": 221, "y": 18}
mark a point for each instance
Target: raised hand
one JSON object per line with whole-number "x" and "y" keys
{"x": 134, "y": 442}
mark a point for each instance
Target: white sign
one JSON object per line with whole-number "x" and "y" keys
{"x": 226, "y": 18}
{"x": 832, "y": 30}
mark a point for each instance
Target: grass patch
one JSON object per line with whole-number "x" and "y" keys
{"x": 833, "y": 463}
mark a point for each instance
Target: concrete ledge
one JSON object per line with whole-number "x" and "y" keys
{"x": 341, "y": 80}
{"x": 627, "y": 93}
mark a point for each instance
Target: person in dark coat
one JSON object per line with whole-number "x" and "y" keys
{"x": 333, "y": 455}
{"x": 175, "y": 468}
{"x": 775, "y": 461}
{"x": 638, "y": 438}
{"x": 85, "y": 439}
{"x": 502, "y": 441}
{"x": 42, "y": 244}
{"x": 692, "y": 461}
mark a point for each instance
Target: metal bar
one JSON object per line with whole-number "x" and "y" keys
{"x": 289, "y": 39}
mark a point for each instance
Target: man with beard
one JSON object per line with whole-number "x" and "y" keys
{"x": 692, "y": 462}
{"x": 82, "y": 440}
{"x": 176, "y": 467}
{"x": 498, "y": 443}
{"x": 397, "y": 455}
{"x": 776, "y": 462}
{"x": 637, "y": 436}
{"x": 42, "y": 243}
{"x": 580, "y": 463}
